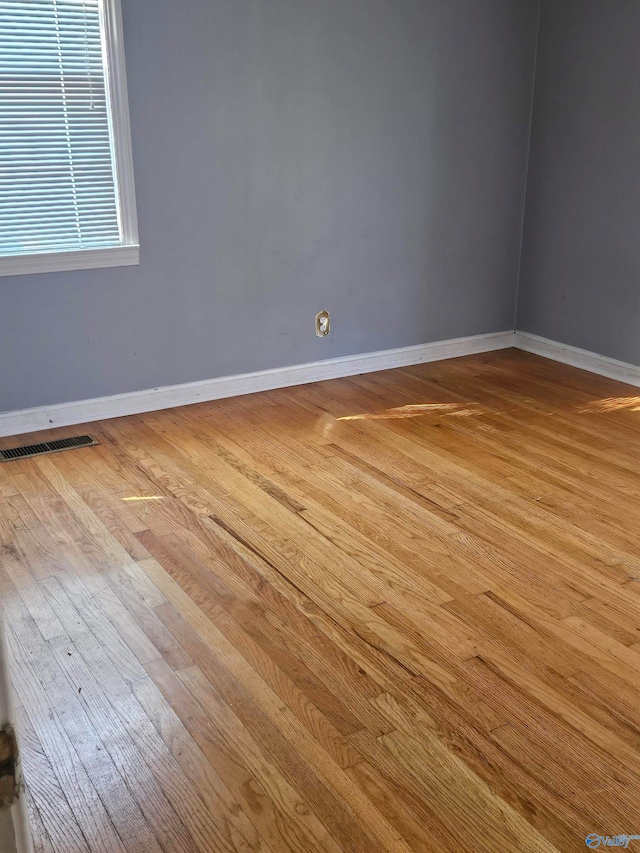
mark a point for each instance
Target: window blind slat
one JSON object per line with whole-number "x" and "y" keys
{"x": 57, "y": 178}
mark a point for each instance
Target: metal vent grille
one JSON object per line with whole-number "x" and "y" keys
{"x": 46, "y": 447}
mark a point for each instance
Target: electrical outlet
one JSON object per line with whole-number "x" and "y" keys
{"x": 323, "y": 324}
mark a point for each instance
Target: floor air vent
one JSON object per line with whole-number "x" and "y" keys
{"x": 46, "y": 447}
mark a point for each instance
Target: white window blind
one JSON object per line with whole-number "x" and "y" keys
{"x": 58, "y": 164}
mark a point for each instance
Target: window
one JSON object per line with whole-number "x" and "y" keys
{"x": 66, "y": 177}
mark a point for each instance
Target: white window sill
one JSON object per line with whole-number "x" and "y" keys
{"x": 83, "y": 259}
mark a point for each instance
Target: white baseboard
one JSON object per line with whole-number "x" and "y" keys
{"x": 591, "y": 361}
{"x": 99, "y": 408}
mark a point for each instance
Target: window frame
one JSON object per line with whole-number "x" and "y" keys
{"x": 126, "y": 253}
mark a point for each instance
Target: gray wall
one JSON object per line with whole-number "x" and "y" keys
{"x": 363, "y": 156}
{"x": 580, "y": 280}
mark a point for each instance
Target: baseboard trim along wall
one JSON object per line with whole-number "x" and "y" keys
{"x": 591, "y": 361}
{"x": 169, "y": 396}
{"x": 99, "y": 408}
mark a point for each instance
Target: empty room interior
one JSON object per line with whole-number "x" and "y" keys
{"x": 319, "y": 426}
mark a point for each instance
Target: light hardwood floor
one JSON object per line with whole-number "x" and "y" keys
{"x": 394, "y": 612}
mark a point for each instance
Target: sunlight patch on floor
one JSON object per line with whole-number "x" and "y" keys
{"x": 417, "y": 409}
{"x": 612, "y": 404}
{"x": 145, "y": 498}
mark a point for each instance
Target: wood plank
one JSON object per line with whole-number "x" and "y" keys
{"x": 237, "y": 830}
{"x": 53, "y": 824}
{"x": 298, "y": 756}
{"x": 398, "y": 611}
{"x": 275, "y": 808}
